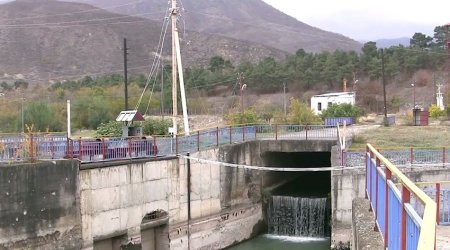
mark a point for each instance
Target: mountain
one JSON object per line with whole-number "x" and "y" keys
{"x": 386, "y": 43}
{"x": 48, "y": 39}
{"x": 250, "y": 20}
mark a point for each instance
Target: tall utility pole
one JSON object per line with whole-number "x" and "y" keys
{"x": 176, "y": 62}
{"x": 174, "y": 69}
{"x": 162, "y": 90}
{"x": 125, "y": 71}
{"x": 241, "y": 90}
{"x": 384, "y": 87}
{"x": 284, "y": 98}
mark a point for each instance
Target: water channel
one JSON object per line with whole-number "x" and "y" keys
{"x": 274, "y": 242}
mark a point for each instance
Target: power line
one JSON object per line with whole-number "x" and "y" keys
{"x": 79, "y": 22}
{"x": 72, "y": 13}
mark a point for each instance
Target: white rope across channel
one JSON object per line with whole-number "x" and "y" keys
{"x": 324, "y": 169}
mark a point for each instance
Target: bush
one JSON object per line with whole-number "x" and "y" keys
{"x": 156, "y": 126}
{"x": 342, "y": 110}
{"x": 435, "y": 111}
{"x": 248, "y": 117}
{"x": 111, "y": 128}
{"x": 301, "y": 113}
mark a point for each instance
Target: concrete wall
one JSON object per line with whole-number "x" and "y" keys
{"x": 39, "y": 206}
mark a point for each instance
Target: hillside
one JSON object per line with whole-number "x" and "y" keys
{"x": 250, "y": 20}
{"x": 40, "y": 41}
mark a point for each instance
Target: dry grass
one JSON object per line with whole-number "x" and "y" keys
{"x": 405, "y": 136}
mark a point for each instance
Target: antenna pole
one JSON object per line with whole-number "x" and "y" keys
{"x": 125, "y": 71}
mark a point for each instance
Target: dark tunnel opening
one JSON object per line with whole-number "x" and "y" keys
{"x": 294, "y": 194}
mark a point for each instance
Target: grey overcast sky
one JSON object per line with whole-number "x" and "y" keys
{"x": 369, "y": 20}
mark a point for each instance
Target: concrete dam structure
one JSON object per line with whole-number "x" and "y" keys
{"x": 165, "y": 203}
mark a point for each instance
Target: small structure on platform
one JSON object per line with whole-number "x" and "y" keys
{"x": 127, "y": 118}
{"x": 323, "y": 101}
{"x": 420, "y": 116}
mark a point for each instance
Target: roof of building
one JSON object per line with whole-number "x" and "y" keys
{"x": 130, "y": 115}
{"x": 336, "y": 94}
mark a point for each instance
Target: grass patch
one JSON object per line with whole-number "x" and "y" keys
{"x": 403, "y": 136}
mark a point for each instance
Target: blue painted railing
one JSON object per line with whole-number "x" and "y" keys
{"x": 400, "y": 224}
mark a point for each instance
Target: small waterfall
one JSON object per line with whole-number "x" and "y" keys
{"x": 296, "y": 216}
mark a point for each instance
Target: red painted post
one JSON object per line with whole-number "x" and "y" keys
{"x": 130, "y": 149}
{"x": 52, "y": 148}
{"x": 376, "y": 194}
{"x": 103, "y": 148}
{"x": 217, "y": 136}
{"x": 71, "y": 148}
{"x": 256, "y": 128}
{"x": 154, "y": 148}
{"x": 406, "y": 197}
{"x": 80, "y": 150}
{"x": 443, "y": 156}
{"x": 198, "y": 140}
{"x": 276, "y": 132}
{"x": 438, "y": 201}
{"x": 388, "y": 175}
{"x": 231, "y": 141}
{"x": 31, "y": 147}
{"x": 412, "y": 156}
{"x": 243, "y": 133}
{"x": 306, "y": 131}
{"x": 176, "y": 144}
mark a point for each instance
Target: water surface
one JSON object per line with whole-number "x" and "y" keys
{"x": 275, "y": 242}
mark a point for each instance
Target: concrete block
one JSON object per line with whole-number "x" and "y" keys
{"x": 86, "y": 232}
{"x": 107, "y": 222}
{"x": 196, "y": 209}
{"x": 179, "y": 243}
{"x": 124, "y": 197}
{"x": 163, "y": 170}
{"x": 105, "y": 199}
{"x": 155, "y": 205}
{"x": 85, "y": 179}
{"x": 136, "y": 173}
{"x": 86, "y": 202}
{"x": 215, "y": 206}
{"x": 135, "y": 216}
{"x": 151, "y": 171}
{"x": 124, "y": 217}
{"x": 105, "y": 177}
{"x": 136, "y": 194}
{"x": 206, "y": 208}
{"x": 215, "y": 189}
{"x": 124, "y": 175}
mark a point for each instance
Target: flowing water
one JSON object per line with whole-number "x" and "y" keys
{"x": 294, "y": 223}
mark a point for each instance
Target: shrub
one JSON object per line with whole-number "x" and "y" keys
{"x": 301, "y": 113}
{"x": 111, "y": 128}
{"x": 435, "y": 111}
{"x": 342, "y": 110}
{"x": 155, "y": 126}
{"x": 248, "y": 117}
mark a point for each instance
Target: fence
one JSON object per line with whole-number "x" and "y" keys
{"x": 401, "y": 224}
{"x": 440, "y": 193}
{"x": 30, "y": 146}
{"x": 403, "y": 156}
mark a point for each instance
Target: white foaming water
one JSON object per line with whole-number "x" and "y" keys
{"x": 294, "y": 239}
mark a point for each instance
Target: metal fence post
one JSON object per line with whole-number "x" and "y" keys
{"x": 276, "y": 132}
{"x": 438, "y": 202}
{"x": 367, "y": 169}
{"x": 388, "y": 174}
{"x": 231, "y": 141}
{"x": 80, "y": 150}
{"x": 103, "y": 148}
{"x": 243, "y": 133}
{"x": 176, "y": 144}
{"x": 375, "y": 228}
{"x": 306, "y": 131}
{"x": 411, "y": 156}
{"x": 52, "y": 147}
{"x": 198, "y": 140}
{"x": 31, "y": 147}
{"x": 217, "y": 136}
{"x": 443, "y": 157}
{"x": 406, "y": 197}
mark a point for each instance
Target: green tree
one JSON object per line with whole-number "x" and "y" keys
{"x": 342, "y": 110}
{"x": 301, "y": 113}
{"x": 420, "y": 40}
{"x": 42, "y": 116}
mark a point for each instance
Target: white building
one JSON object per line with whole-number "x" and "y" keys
{"x": 321, "y": 102}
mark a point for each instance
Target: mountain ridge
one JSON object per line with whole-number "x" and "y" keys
{"x": 233, "y": 18}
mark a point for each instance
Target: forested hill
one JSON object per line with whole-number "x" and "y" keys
{"x": 249, "y": 20}
{"x": 48, "y": 39}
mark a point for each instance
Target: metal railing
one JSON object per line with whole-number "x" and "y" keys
{"x": 31, "y": 146}
{"x": 407, "y": 156}
{"x": 401, "y": 225}
{"x": 440, "y": 193}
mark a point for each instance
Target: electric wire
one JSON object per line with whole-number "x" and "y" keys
{"x": 72, "y": 13}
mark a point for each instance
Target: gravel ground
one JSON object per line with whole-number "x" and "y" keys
{"x": 443, "y": 238}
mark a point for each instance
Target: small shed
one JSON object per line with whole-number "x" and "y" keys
{"x": 127, "y": 118}
{"x": 323, "y": 101}
{"x": 420, "y": 117}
